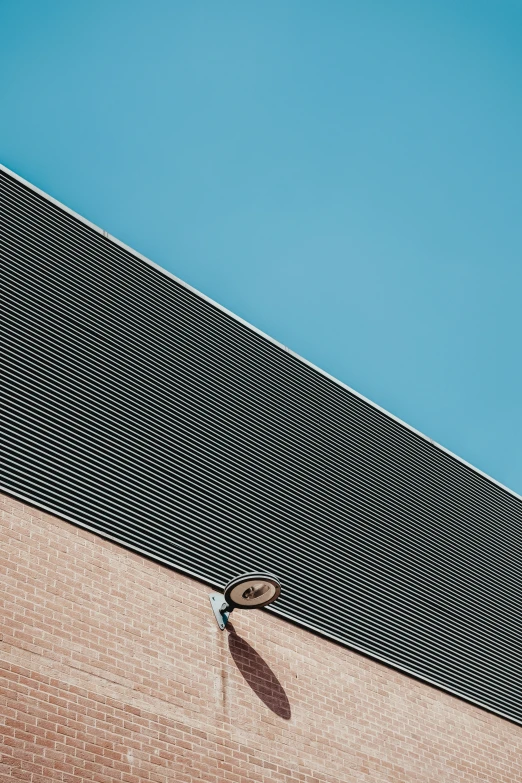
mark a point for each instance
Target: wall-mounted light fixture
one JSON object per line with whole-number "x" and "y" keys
{"x": 248, "y": 591}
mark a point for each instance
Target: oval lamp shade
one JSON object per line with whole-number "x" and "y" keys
{"x": 252, "y": 590}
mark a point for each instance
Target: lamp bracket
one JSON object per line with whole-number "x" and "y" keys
{"x": 220, "y": 608}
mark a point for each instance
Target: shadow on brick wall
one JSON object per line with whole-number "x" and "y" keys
{"x": 258, "y": 675}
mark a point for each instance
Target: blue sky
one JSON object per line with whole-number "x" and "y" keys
{"x": 347, "y": 176}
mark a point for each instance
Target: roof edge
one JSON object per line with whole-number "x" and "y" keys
{"x": 252, "y": 328}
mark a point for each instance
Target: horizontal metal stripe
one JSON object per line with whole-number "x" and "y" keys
{"x": 143, "y": 411}
{"x": 367, "y": 506}
{"x": 174, "y": 323}
{"x": 461, "y": 491}
{"x": 28, "y": 191}
{"x": 122, "y": 376}
{"x": 409, "y": 433}
{"x": 369, "y": 510}
{"x": 361, "y": 567}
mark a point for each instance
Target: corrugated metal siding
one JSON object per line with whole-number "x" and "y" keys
{"x": 134, "y": 406}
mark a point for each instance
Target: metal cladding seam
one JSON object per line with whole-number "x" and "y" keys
{"x": 135, "y": 407}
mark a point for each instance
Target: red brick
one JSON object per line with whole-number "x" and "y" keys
{"x": 112, "y": 669}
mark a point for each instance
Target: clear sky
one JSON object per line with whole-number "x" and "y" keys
{"x": 347, "y": 176}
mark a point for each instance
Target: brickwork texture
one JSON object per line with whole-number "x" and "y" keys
{"x": 112, "y": 668}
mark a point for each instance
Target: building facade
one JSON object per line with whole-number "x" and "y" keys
{"x": 114, "y": 669}
{"x": 154, "y": 446}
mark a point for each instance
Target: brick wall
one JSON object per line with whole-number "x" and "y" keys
{"x": 113, "y": 669}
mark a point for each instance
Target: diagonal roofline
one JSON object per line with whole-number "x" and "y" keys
{"x": 240, "y": 320}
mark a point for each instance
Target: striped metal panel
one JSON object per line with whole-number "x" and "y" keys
{"x": 134, "y": 406}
